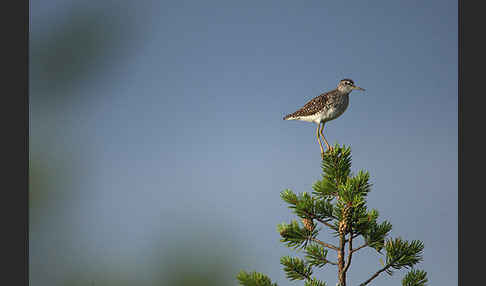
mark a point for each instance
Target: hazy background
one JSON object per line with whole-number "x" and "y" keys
{"x": 158, "y": 149}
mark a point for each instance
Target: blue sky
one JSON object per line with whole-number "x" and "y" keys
{"x": 176, "y": 130}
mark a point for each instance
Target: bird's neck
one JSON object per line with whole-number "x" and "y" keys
{"x": 343, "y": 90}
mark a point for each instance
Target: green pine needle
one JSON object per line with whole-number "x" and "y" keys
{"x": 254, "y": 279}
{"x": 295, "y": 268}
{"x": 316, "y": 255}
{"x": 314, "y": 282}
{"x": 403, "y": 254}
{"x": 415, "y": 278}
{"x": 295, "y": 236}
{"x": 376, "y": 233}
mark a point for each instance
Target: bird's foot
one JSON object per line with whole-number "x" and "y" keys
{"x": 328, "y": 150}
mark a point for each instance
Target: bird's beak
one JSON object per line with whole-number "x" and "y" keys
{"x": 358, "y": 88}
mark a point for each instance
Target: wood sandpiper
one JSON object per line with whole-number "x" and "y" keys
{"x": 325, "y": 107}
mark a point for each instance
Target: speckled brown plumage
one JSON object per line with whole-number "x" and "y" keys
{"x": 315, "y": 105}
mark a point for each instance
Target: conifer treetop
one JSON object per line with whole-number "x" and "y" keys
{"x": 338, "y": 204}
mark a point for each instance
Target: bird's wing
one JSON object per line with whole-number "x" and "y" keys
{"x": 314, "y": 105}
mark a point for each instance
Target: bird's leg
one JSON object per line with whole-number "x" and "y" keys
{"x": 325, "y": 141}
{"x": 319, "y": 139}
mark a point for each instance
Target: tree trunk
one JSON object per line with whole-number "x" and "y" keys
{"x": 341, "y": 273}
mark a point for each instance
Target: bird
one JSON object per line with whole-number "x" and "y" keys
{"x": 326, "y": 107}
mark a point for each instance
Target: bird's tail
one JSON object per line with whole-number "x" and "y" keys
{"x": 289, "y": 117}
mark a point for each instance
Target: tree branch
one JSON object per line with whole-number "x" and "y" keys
{"x": 330, "y": 262}
{"x": 375, "y": 275}
{"x": 325, "y": 244}
{"x": 350, "y": 254}
{"x": 326, "y": 223}
{"x": 354, "y": 236}
{"x": 364, "y": 245}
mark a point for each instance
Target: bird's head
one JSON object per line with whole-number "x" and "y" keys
{"x": 347, "y": 85}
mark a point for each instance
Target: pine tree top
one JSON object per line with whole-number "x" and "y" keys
{"x": 338, "y": 203}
